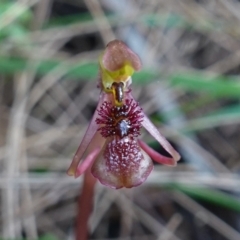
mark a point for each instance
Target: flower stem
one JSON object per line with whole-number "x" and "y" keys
{"x": 85, "y": 204}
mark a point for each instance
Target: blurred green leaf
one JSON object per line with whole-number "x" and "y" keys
{"x": 11, "y": 65}
{"x": 209, "y": 195}
{"x": 144, "y": 76}
{"x": 15, "y": 32}
{"x": 71, "y": 19}
{"x": 17, "y": 28}
{"x": 48, "y": 237}
{"x": 226, "y": 115}
{"x": 24, "y": 18}
{"x": 218, "y": 86}
{"x": 45, "y": 237}
{"x": 79, "y": 70}
{"x": 87, "y": 70}
{"x": 227, "y": 111}
{"x": 169, "y": 21}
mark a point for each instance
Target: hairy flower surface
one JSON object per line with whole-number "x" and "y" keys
{"x": 111, "y": 145}
{"x": 120, "y": 120}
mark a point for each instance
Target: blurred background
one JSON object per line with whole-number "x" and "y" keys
{"x": 189, "y": 87}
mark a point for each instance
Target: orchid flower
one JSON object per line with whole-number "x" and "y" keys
{"x": 111, "y": 144}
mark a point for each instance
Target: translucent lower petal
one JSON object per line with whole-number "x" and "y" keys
{"x": 91, "y": 131}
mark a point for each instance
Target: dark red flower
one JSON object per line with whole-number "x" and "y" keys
{"x": 111, "y": 145}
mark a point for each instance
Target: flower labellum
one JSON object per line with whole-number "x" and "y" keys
{"x": 111, "y": 145}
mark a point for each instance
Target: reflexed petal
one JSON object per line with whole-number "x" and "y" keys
{"x": 160, "y": 138}
{"x": 92, "y": 128}
{"x": 149, "y": 126}
{"x": 122, "y": 163}
{"x": 157, "y": 156}
{"x": 87, "y": 162}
